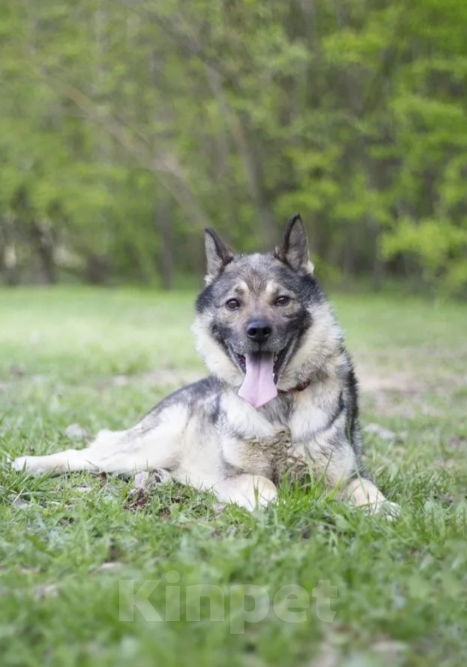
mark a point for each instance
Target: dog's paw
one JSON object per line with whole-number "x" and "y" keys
{"x": 391, "y": 510}
{"x": 248, "y": 491}
{"x": 27, "y": 464}
{"x": 386, "y": 508}
{"x": 264, "y": 493}
{"x": 19, "y": 464}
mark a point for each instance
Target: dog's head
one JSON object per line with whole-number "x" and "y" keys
{"x": 262, "y": 321}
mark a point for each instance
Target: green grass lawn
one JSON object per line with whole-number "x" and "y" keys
{"x": 101, "y": 359}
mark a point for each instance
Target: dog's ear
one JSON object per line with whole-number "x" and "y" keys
{"x": 294, "y": 248}
{"x": 218, "y": 254}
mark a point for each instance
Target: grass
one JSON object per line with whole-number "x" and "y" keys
{"x": 101, "y": 359}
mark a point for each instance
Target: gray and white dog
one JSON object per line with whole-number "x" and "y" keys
{"x": 281, "y": 397}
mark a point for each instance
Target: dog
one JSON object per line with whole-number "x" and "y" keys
{"x": 281, "y": 398}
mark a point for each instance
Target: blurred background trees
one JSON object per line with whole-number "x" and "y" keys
{"x": 126, "y": 126}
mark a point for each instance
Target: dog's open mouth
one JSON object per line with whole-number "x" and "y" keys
{"x": 278, "y": 358}
{"x": 261, "y": 372}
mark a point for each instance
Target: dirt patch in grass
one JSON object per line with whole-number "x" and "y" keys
{"x": 409, "y": 393}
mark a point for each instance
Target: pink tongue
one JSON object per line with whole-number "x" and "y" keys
{"x": 258, "y": 386}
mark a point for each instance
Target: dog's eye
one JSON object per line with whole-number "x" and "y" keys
{"x": 282, "y": 301}
{"x": 232, "y": 304}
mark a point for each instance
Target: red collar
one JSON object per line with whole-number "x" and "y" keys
{"x": 299, "y": 387}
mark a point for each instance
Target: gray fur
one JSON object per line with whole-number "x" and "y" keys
{"x": 218, "y": 254}
{"x": 294, "y": 248}
{"x": 207, "y": 436}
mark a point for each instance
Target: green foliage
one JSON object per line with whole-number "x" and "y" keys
{"x": 127, "y": 127}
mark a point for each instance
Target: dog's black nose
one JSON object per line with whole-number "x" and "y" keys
{"x": 258, "y": 330}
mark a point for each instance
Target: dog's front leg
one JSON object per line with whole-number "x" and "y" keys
{"x": 333, "y": 457}
{"x": 248, "y": 491}
{"x": 362, "y": 492}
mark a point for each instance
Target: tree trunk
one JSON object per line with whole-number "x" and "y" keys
{"x": 163, "y": 225}
{"x": 44, "y": 244}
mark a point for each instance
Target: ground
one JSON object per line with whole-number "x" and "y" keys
{"x": 371, "y": 592}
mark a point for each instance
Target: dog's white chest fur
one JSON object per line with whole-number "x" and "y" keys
{"x": 262, "y": 441}
{"x": 271, "y": 457}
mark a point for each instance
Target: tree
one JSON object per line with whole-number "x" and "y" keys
{"x": 126, "y": 126}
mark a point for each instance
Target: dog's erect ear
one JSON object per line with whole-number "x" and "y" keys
{"x": 294, "y": 248}
{"x": 218, "y": 254}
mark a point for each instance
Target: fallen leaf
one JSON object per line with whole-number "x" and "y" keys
{"x": 138, "y": 500}
{"x": 19, "y": 502}
{"x": 390, "y": 648}
{"x": 381, "y": 432}
{"x": 328, "y": 657}
{"x": 109, "y": 568}
{"x": 147, "y": 481}
{"x": 46, "y": 591}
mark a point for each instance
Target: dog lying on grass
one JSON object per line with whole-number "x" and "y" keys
{"x": 281, "y": 397}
